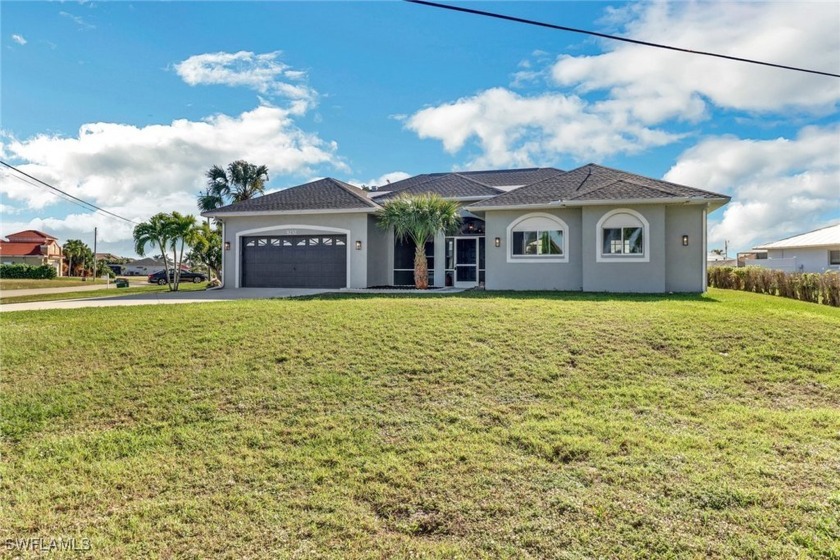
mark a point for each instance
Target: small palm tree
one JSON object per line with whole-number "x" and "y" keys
{"x": 419, "y": 218}
{"x": 157, "y": 232}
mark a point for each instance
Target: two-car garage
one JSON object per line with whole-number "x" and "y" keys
{"x": 294, "y": 261}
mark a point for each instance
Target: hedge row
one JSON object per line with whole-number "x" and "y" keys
{"x": 815, "y": 288}
{"x": 42, "y": 272}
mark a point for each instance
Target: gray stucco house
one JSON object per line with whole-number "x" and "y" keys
{"x": 593, "y": 229}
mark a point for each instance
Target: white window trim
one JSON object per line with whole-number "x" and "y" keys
{"x": 626, "y": 257}
{"x": 561, "y": 225}
{"x": 311, "y": 229}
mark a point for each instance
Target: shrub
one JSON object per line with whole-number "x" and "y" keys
{"x": 43, "y": 272}
{"x": 812, "y": 287}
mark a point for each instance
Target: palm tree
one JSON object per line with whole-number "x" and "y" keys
{"x": 74, "y": 249}
{"x": 241, "y": 181}
{"x": 157, "y": 232}
{"x": 183, "y": 233}
{"x": 419, "y": 218}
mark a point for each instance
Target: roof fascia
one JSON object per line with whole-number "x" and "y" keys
{"x": 288, "y": 212}
{"x": 716, "y": 202}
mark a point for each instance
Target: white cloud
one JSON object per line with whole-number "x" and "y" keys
{"x": 137, "y": 171}
{"x": 653, "y": 85}
{"x": 515, "y": 130}
{"x": 78, "y": 20}
{"x": 263, "y": 73}
{"x": 780, "y": 187}
{"x": 18, "y": 39}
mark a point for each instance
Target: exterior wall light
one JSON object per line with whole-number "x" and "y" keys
{"x": 358, "y": 244}
{"x": 227, "y": 245}
{"x": 498, "y": 242}
{"x": 685, "y": 241}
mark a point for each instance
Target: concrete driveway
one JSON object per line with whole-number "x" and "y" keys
{"x": 161, "y": 298}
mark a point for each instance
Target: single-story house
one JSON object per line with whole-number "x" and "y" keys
{"x": 143, "y": 267}
{"x": 814, "y": 251}
{"x": 32, "y": 247}
{"x": 592, "y": 229}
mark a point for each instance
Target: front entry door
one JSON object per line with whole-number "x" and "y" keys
{"x": 466, "y": 262}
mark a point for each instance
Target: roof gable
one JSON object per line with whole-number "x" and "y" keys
{"x": 30, "y": 235}
{"x": 324, "y": 194}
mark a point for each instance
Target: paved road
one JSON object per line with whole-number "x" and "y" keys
{"x": 64, "y": 290}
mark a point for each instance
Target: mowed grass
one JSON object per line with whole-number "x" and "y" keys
{"x": 470, "y": 426}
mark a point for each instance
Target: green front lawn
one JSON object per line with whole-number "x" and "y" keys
{"x": 473, "y": 425}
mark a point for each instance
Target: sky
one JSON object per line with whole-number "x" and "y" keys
{"x": 127, "y": 104}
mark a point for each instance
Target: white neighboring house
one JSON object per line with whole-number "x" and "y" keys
{"x": 815, "y": 251}
{"x": 143, "y": 267}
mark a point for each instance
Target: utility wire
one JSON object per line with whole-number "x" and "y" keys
{"x": 7, "y": 173}
{"x": 56, "y": 189}
{"x": 616, "y": 37}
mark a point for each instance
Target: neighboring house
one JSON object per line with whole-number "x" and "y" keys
{"x": 143, "y": 267}
{"x": 592, "y": 229}
{"x": 32, "y": 247}
{"x": 815, "y": 251}
{"x": 715, "y": 259}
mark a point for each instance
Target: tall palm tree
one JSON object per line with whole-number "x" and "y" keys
{"x": 157, "y": 232}
{"x": 182, "y": 230}
{"x": 241, "y": 181}
{"x": 419, "y": 218}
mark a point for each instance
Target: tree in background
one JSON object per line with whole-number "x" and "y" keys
{"x": 419, "y": 218}
{"x": 240, "y": 181}
{"x": 207, "y": 249}
{"x": 76, "y": 252}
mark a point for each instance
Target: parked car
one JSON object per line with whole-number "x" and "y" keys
{"x": 160, "y": 277}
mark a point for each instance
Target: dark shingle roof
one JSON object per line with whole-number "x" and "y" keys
{"x": 592, "y": 183}
{"x": 447, "y": 185}
{"x": 512, "y": 177}
{"x": 323, "y": 194}
{"x": 462, "y": 184}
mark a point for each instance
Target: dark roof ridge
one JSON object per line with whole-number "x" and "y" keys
{"x": 617, "y": 181}
{"x": 645, "y": 178}
{"x": 461, "y": 175}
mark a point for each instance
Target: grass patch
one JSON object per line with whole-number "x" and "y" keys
{"x": 471, "y": 425}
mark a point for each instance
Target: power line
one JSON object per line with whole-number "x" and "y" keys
{"x": 55, "y": 194}
{"x": 56, "y": 189}
{"x": 616, "y": 37}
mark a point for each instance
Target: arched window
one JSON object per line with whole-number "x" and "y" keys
{"x": 538, "y": 237}
{"x": 622, "y": 236}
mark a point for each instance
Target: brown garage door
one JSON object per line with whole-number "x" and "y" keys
{"x": 294, "y": 261}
